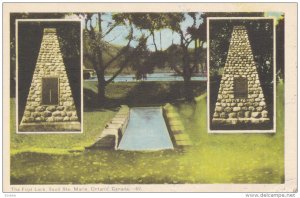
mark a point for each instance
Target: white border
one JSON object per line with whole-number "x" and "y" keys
{"x": 290, "y": 109}
{"x": 81, "y": 74}
{"x": 274, "y": 77}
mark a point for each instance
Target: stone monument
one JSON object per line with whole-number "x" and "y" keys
{"x": 50, "y": 104}
{"x": 240, "y": 97}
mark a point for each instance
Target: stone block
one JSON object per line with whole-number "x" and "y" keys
{"x": 218, "y": 109}
{"x": 259, "y": 109}
{"x": 244, "y": 108}
{"x": 223, "y": 115}
{"x": 70, "y": 108}
{"x": 36, "y": 114}
{"x": 235, "y": 109}
{"x": 58, "y": 119}
{"x": 66, "y": 118}
{"x": 257, "y": 99}
{"x": 262, "y": 104}
{"x": 74, "y": 118}
{"x": 232, "y": 115}
{"x": 56, "y": 113}
{"x": 47, "y": 113}
{"x": 51, "y": 108}
{"x": 241, "y": 114}
{"x": 255, "y": 114}
{"x": 27, "y": 113}
{"x": 216, "y": 115}
{"x": 264, "y": 114}
{"x": 60, "y": 108}
{"x": 63, "y": 113}
{"x": 50, "y": 119}
{"x": 41, "y": 108}
{"x": 228, "y": 109}
{"x": 247, "y": 114}
{"x": 69, "y": 114}
{"x": 251, "y": 108}
{"x": 254, "y": 96}
{"x": 251, "y": 100}
{"x": 38, "y": 119}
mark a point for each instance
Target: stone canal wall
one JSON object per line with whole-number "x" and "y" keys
{"x": 113, "y": 131}
{"x": 237, "y": 102}
{"x": 175, "y": 127}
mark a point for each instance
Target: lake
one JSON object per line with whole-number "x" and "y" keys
{"x": 151, "y": 77}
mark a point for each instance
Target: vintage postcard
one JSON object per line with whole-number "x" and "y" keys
{"x": 149, "y": 97}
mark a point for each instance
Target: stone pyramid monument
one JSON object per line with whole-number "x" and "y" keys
{"x": 50, "y": 104}
{"x": 240, "y": 98}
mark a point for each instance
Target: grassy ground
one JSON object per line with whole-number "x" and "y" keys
{"x": 94, "y": 123}
{"x": 214, "y": 158}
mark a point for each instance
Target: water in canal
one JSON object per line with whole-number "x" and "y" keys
{"x": 146, "y": 130}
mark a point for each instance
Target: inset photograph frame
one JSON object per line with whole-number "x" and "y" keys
{"x": 232, "y": 44}
{"x": 49, "y": 93}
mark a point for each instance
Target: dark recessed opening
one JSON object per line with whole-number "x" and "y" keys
{"x": 240, "y": 86}
{"x": 50, "y": 91}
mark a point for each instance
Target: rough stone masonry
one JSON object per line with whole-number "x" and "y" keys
{"x": 240, "y": 98}
{"x": 61, "y": 114}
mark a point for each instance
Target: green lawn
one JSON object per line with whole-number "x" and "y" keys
{"x": 214, "y": 158}
{"x": 94, "y": 122}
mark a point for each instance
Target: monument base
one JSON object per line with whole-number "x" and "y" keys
{"x": 50, "y": 127}
{"x": 234, "y": 121}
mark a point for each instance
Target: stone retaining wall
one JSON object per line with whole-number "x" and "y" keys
{"x": 175, "y": 127}
{"x": 113, "y": 131}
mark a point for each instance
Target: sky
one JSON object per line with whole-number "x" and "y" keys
{"x": 119, "y": 34}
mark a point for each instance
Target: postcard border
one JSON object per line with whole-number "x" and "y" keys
{"x": 291, "y": 16}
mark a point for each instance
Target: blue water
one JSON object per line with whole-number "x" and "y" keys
{"x": 146, "y": 130}
{"x": 151, "y": 77}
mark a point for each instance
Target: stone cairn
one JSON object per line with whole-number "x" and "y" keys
{"x": 230, "y": 108}
{"x": 62, "y": 116}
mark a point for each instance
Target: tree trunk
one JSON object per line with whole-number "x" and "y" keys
{"x": 160, "y": 41}
{"x": 196, "y": 56}
{"x": 154, "y": 42}
{"x": 187, "y": 75}
{"x": 187, "y": 88}
{"x": 101, "y": 88}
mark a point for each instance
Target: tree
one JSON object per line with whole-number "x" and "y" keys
{"x": 96, "y": 46}
{"x": 194, "y": 33}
